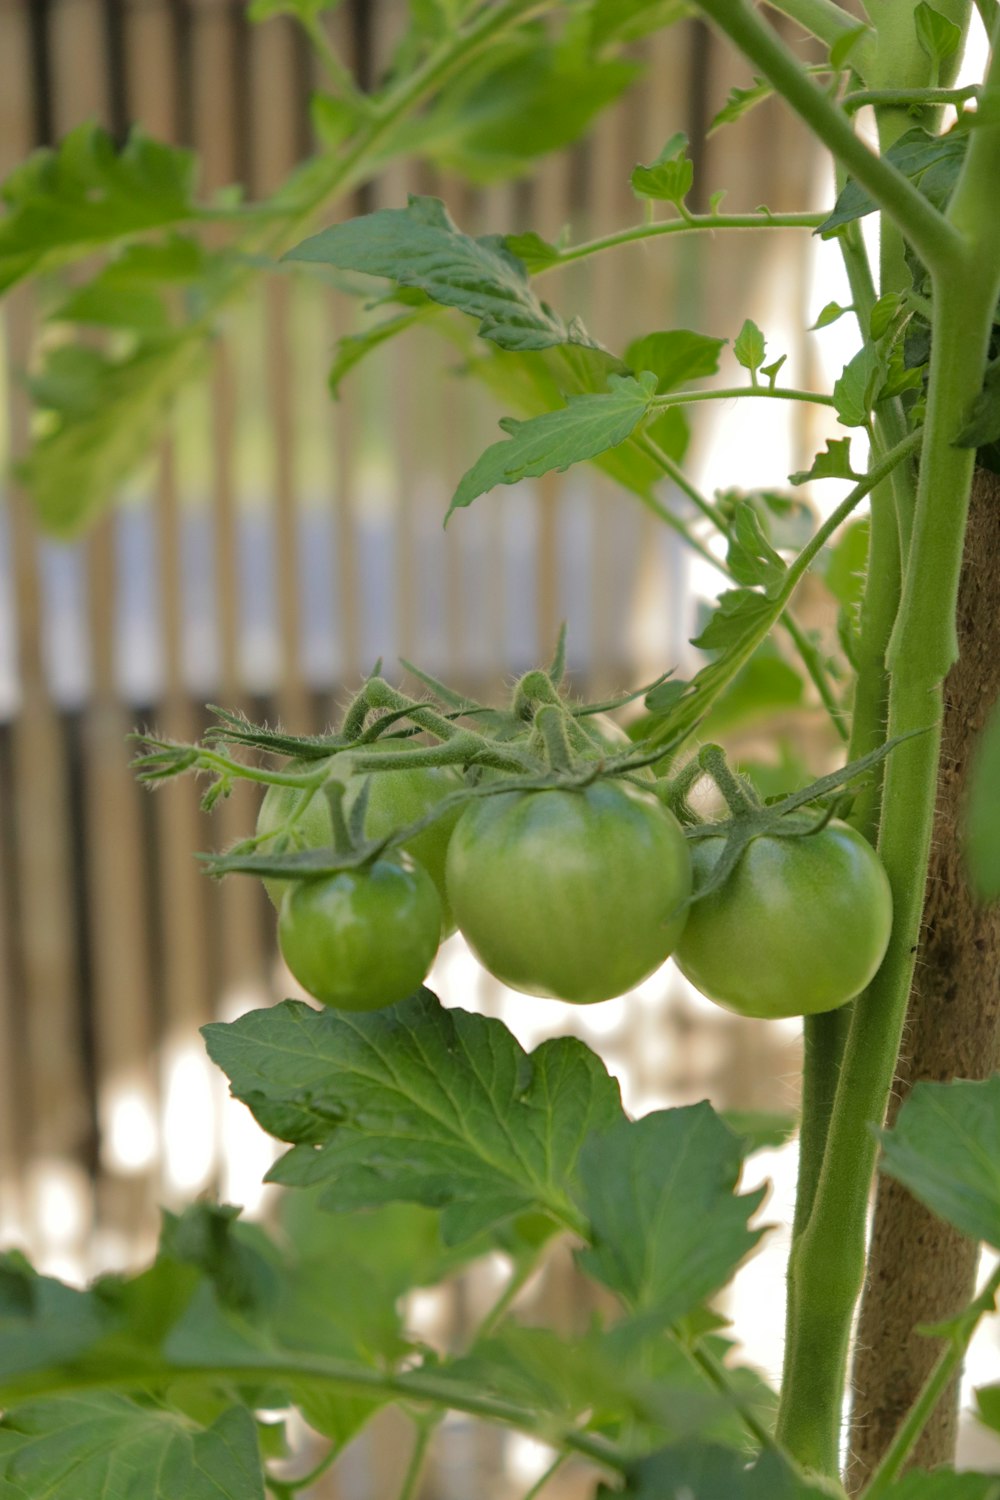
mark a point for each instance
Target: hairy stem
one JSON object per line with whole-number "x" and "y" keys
{"x": 827, "y": 1263}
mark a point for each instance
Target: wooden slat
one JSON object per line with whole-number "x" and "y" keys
{"x": 79, "y": 65}
{"x": 151, "y": 67}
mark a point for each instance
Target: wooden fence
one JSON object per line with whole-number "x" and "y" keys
{"x": 281, "y": 544}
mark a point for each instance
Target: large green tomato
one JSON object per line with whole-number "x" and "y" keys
{"x": 800, "y": 926}
{"x": 577, "y": 894}
{"x": 361, "y": 939}
{"x": 396, "y": 798}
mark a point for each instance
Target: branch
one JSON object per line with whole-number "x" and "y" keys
{"x": 821, "y": 18}
{"x": 935, "y": 239}
{"x": 689, "y": 225}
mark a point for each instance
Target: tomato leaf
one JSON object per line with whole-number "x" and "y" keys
{"x": 420, "y": 1104}
{"x": 938, "y": 36}
{"x": 586, "y": 426}
{"x": 932, "y": 162}
{"x": 750, "y": 346}
{"x": 671, "y": 175}
{"x": 420, "y": 246}
{"x": 740, "y": 102}
{"x": 63, "y": 203}
{"x": 751, "y": 557}
{"x": 829, "y": 314}
{"x": 667, "y": 1229}
{"x": 856, "y": 388}
{"x": 945, "y": 1148}
{"x": 983, "y": 422}
{"x": 534, "y": 253}
{"x": 98, "y": 1443}
{"x": 833, "y": 463}
{"x": 104, "y": 414}
{"x": 628, "y": 20}
{"x": 981, "y": 823}
{"x": 675, "y": 356}
{"x": 707, "y": 1471}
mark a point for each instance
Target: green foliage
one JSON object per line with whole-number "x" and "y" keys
{"x": 945, "y": 1148}
{"x": 938, "y": 36}
{"x": 109, "y": 1445}
{"x": 675, "y": 357}
{"x": 420, "y": 1104}
{"x": 833, "y": 463}
{"x": 420, "y": 246}
{"x": 740, "y": 102}
{"x": 658, "y": 1195}
{"x": 64, "y": 203}
{"x": 749, "y": 347}
{"x": 671, "y": 175}
{"x": 705, "y": 1471}
{"x": 930, "y": 161}
{"x": 586, "y": 427}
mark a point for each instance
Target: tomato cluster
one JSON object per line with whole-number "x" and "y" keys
{"x": 574, "y": 892}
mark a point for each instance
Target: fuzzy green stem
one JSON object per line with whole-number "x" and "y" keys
{"x": 713, "y": 762}
{"x": 688, "y": 225}
{"x": 545, "y": 1476}
{"x": 551, "y": 724}
{"x": 736, "y": 392}
{"x": 821, "y": 18}
{"x": 418, "y": 1457}
{"x": 934, "y": 238}
{"x": 947, "y": 1366}
{"x": 827, "y": 1263}
{"x": 908, "y": 98}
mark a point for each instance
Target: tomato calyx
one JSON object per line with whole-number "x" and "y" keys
{"x": 801, "y": 814}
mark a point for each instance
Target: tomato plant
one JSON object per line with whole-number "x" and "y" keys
{"x": 801, "y": 925}
{"x": 394, "y": 802}
{"x": 422, "y": 1137}
{"x": 544, "y": 883}
{"x": 363, "y": 938}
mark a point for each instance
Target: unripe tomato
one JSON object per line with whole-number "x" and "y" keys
{"x": 800, "y": 926}
{"x": 395, "y": 799}
{"x": 361, "y": 939}
{"x": 573, "y": 894}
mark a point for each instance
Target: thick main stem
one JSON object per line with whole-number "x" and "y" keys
{"x": 920, "y": 1270}
{"x": 827, "y": 1263}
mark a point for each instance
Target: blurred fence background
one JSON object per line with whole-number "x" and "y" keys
{"x": 280, "y": 544}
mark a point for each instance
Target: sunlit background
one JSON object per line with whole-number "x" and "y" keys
{"x": 279, "y": 545}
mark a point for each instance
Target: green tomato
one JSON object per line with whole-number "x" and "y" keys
{"x": 396, "y": 798}
{"x": 576, "y": 895}
{"x": 361, "y": 939}
{"x": 800, "y": 926}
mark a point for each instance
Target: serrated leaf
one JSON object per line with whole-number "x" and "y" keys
{"x": 937, "y": 36}
{"x": 749, "y": 346}
{"x": 62, "y": 203}
{"x": 104, "y": 1444}
{"x": 932, "y": 162}
{"x": 354, "y": 347}
{"x": 983, "y": 422}
{"x": 420, "y": 1104}
{"x": 534, "y": 253}
{"x": 856, "y": 388}
{"x": 693, "y": 1470}
{"x": 945, "y": 1149}
{"x": 761, "y": 1130}
{"x": 520, "y": 100}
{"x": 833, "y": 463}
{"x": 104, "y": 415}
{"x": 740, "y": 102}
{"x": 981, "y": 822}
{"x": 666, "y": 1227}
{"x": 751, "y": 558}
{"x": 675, "y": 356}
{"x": 988, "y": 1408}
{"x": 420, "y": 246}
{"x": 670, "y": 177}
{"x": 883, "y": 314}
{"x": 738, "y": 613}
{"x": 829, "y": 314}
{"x": 585, "y": 427}
{"x": 42, "y": 1321}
